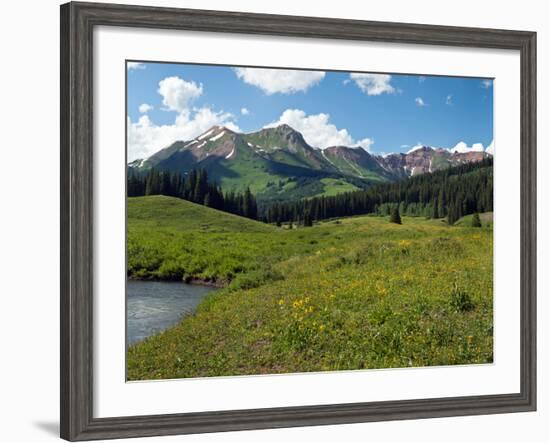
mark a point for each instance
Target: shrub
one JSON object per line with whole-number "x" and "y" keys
{"x": 460, "y": 300}
{"x": 171, "y": 270}
{"x": 255, "y": 278}
{"x": 395, "y": 217}
{"x": 476, "y": 222}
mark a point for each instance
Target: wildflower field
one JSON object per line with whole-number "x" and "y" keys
{"x": 352, "y": 293}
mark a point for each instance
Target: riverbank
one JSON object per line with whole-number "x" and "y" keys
{"x": 189, "y": 281}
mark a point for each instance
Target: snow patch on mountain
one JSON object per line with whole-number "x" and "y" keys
{"x": 138, "y": 163}
{"x": 230, "y": 154}
{"x": 415, "y": 148}
{"x": 206, "y": 134}
{"x": 217, "y": 137}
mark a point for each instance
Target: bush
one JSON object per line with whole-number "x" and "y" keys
{"x": 395, "y": 217}
{"x": 476, "y": 221}
{"x": 255, "y": 279}
{"x": 171, "y": 270}
{"x": 460, "y": 300}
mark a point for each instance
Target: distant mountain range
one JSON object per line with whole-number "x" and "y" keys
{"x": 278, "y": 164}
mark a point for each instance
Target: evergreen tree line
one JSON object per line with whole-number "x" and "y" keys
{"x": 194, "y": 187}
{"x": 450, "y": 193}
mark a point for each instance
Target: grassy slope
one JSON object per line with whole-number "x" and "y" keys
{"x": 263, "y": 176}
{"x": 486, "y": 220}
{"x": 349, "y": 294}
{"x": 333, "y": 186}
{"x": 355, "y": 170}
{"x": 250, "y": 170}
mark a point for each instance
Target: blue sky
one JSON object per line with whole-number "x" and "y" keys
{"x": 379, "y": 112}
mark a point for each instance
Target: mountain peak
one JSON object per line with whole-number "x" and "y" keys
{"x": 282, "y": 135}
{"x": 214, "y": 130}
{"x": 421, "y": 148}
{"x": 285, "y": 127}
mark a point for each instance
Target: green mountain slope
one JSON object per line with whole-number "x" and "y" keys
{"x": 160, "y": 212}
{"x": 357, "y": 162}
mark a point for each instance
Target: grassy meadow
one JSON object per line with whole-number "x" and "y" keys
{"x": 352, "y": 293}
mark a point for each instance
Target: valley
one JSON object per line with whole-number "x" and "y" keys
{"x": 347, "y": 293}
{"x": 311, "y": 275}
{"x": 292, "y": 220}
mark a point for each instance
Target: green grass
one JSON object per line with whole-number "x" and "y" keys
{"x": 353, "y": 293}
{"x": 332, "y": 186}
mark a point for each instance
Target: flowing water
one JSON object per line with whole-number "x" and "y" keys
{"x": 154, "y": 306}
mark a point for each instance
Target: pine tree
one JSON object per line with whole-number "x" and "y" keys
{"x": 476, "y": 221}
{"x": 435, "y": 212}
{"x": 308, "y": 222}
{"x": 451, "y": 214}
{"x": 441, "y": 204}
{"x": 247, "y": 200}
{"x": 208, "y": 200}
{"x": 395, "y": 217}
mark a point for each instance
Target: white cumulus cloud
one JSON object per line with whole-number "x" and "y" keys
{"x": 491, "y": 148}
{"x": 318, "y": 131}
{"x": 177, "y": 93}
{"x": 135, "y": 65}
{"x": 245, "y": 111}
{"x": 416, "y": 147}
{"x": 283, "y": 81}
{"x": 462, "y": 147}
{"x": 145, "y": 137}
{"x": 420, "y": 102}
{"x": 144, "y": 108}
{"x": 373, "y": 84}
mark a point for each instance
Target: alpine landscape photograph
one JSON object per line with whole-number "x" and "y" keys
{"x": 288, "y": 221}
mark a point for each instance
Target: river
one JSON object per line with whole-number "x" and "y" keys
{"x": 153, "y": 306}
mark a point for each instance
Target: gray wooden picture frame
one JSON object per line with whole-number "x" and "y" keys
{"x": 77, "y": 24}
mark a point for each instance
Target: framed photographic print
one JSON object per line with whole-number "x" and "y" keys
{"x": 272, "y": 221}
